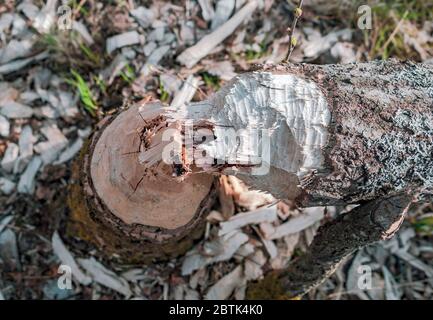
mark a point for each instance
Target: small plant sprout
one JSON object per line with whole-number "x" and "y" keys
{"x": 128, "y": 74}
{"x": 85, "y": 92}
{"x": 163, "y": 94}
{"x": 291, "y": 30}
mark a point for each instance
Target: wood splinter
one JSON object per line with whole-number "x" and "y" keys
{"x": 326, "y": 135}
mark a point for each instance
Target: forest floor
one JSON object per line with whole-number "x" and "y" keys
{"x": 63, "y": 68}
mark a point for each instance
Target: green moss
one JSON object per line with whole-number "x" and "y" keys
{"x": 269, "y": 288}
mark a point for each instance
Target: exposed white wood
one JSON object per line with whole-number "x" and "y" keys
{"x": 292, "y": 111}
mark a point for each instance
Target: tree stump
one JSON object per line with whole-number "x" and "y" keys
{"x": 127, "y": 209}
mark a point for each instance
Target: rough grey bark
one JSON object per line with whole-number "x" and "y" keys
{"x": 380, "y": 139}
{"x": 381, "y": 136}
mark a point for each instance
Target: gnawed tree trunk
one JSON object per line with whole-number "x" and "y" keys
{"x": 335, "y": 134}
{"x": 328, "y": 135}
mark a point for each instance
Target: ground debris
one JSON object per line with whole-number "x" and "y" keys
{"x": 105, "y": 277}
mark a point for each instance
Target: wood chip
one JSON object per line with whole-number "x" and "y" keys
{"x": 6, "y": 186}
{"x": 297, "y": 224}
{"x": 45, "y": 19}
{"x": 198, "y": 278}
{"x": 207, "y": 9}
{"x": 16, "y": 49}
{"x": 226, "y": 285}
{"x": 215, "y": 216}
{"x": 271, "y": 248}
{"x": 144, "y": 16}
{"x": 4, "y": 222}
{"x": 228, "y": 245}
{"x": 9, "y": 250}
{"x": 222, "y": 69}
{"x": 70, "y": 152}
{"x": 416, "y": 263}
{"x": 4, "y": 127}
{"x": 27, "y": 179}
{"x": 392, "y": 291}
{"x": 253, "y": 266}
{"x": 21, "y": 63}
{"x": 10, "y": 156}
{"x": 25, "y": 144}
{"x": 82, "y": 30}
{"x": 15, "y": 110}
{"x": 122, "y": 40}
{"x": 105, "y": 277}
{"x": 225, "y": 195}
{"x": 186, "y": 93}
{"x": 318, "y": 44}
{"x": 267, "y": 214}
{"x": 223, "y": 11}
{"x": 194, "y": 54}
{"x": 66, "y": 258}
{"x": 50, "y": 150}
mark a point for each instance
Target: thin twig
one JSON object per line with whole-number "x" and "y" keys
{"x": 78, "y": 8}
{"x": 292, "y": 39}
{"x": 394, "y": 33}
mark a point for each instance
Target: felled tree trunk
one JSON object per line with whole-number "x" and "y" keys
{"x": 126, "y": 209}
{"x": 330, "y": 135}
{"x": 326, "y": 135}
